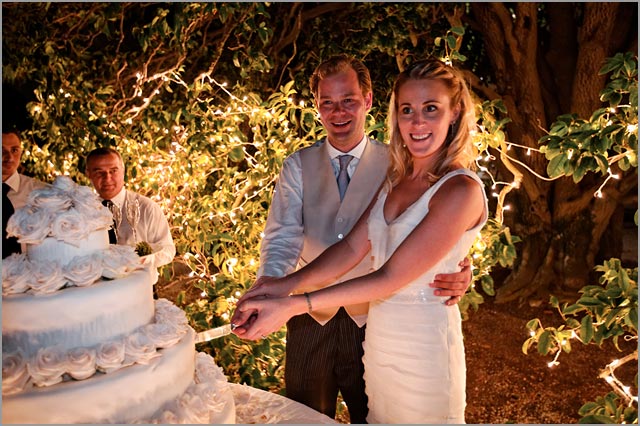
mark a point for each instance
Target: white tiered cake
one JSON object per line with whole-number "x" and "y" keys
{"x": 83, "y": 341}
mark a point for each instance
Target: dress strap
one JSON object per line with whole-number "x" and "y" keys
{"x": 470, "y": 174}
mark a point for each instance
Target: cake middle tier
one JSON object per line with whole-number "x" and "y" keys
{"x": 128, "y": 395}
{"x": 77, "y": 316}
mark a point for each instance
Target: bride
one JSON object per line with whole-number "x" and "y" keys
{"x": 424, "y": 219}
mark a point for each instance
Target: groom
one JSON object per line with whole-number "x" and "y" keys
{"x": 312, "y": 208}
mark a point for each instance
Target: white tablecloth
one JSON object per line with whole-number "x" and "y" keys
{"x": 258, "y": 406}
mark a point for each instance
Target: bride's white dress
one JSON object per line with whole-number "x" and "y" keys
{"x": 413, "y": 350}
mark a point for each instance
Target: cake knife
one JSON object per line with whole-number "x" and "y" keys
{"x": 215, "y": 333}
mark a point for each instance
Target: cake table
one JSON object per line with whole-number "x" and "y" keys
{"x": 255, "y": 406}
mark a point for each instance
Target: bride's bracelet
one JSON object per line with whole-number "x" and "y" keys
{"x": 306, "y": 296}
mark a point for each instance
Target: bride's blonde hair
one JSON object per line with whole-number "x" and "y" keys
{"x": 458, "y": 150}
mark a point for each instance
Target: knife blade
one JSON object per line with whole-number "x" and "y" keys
{"x": 214, "y": 333}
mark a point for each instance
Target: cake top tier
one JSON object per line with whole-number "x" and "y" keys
{"x": 64, "y": 210}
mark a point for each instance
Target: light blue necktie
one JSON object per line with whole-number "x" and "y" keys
{"x": 343, "y": 176}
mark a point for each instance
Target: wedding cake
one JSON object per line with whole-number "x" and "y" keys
{"x": 83, "y": 340}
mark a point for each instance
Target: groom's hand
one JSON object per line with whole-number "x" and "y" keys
{"x": 454, "y": 285}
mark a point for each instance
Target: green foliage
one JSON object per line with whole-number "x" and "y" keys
{"x": 575, "y": 146}
{"x": 206, "y": 100}
{"x": 143, "y": 248}
{"x": 494, "y": 245}
{"x": 605, "y": 311}
{"x": 608, "y": 409}
{"x": 187, "y": 93}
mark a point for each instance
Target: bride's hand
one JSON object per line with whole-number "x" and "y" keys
{"x": 265, "y": 286}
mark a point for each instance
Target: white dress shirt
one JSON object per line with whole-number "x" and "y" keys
{"x": 283, "y": 233}
{"x": 21, "y": 186}
{"x": 152, "y": 227}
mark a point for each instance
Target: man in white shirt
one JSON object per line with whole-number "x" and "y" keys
{"x": 136, "y": 218}
{"x": 309, "y": 212}
{"x": 15, "y": 187}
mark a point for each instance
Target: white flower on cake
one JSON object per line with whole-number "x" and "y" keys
{"x": 96, "y": 216}
{"x": 14, "y": 373}
{"x": 190, "y": 406}
{"x": 212, "y": 393}
{"x": 82, "y": 363}
{"x": 110, "y": 356}
{"x": 47, "y": 366}
{"x": 168, "y": 313}
{"x": 46, "y": 278}
{"x": 15, "y": 274}
{"x": 207, "y": 371}
{"x": 83, "y": 270}
{"x": 64, "y": 183}
{"x": 163, "y": 335}
{"x": 28, "y": 225}
{"x": 50, "y": 199}
{"x": 138, "y": 348}
{"x": 119, "y": 261}
{"x": 166, "y": 418}
{"x": 69, "y": 226}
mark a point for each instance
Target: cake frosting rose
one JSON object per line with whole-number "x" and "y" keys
{"x": 83, "y": 340}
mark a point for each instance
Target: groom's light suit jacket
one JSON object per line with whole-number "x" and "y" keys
{"x": 326, "y": 220}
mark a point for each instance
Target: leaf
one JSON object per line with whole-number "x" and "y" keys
{"x": 236, "y": 154}
{"x": 544, "y": 343}
{"x": 631, "y": 320}
{"x": 452, "y": 41}
{"x": 590, "y": 301}
{"x": 586, "y": 329}
{"x": 596, "y": 419}
{"x": 556, "y": 165}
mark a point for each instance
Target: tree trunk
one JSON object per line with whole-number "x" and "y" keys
{"x": 561, "y": 224}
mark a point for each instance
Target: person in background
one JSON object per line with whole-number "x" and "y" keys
{"x": 313, "y": 208}
{"x": 15, "y": 187}
{"x": 136, "y": 218}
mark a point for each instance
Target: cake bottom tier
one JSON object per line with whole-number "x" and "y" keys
{"x": 163, "y": 391}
